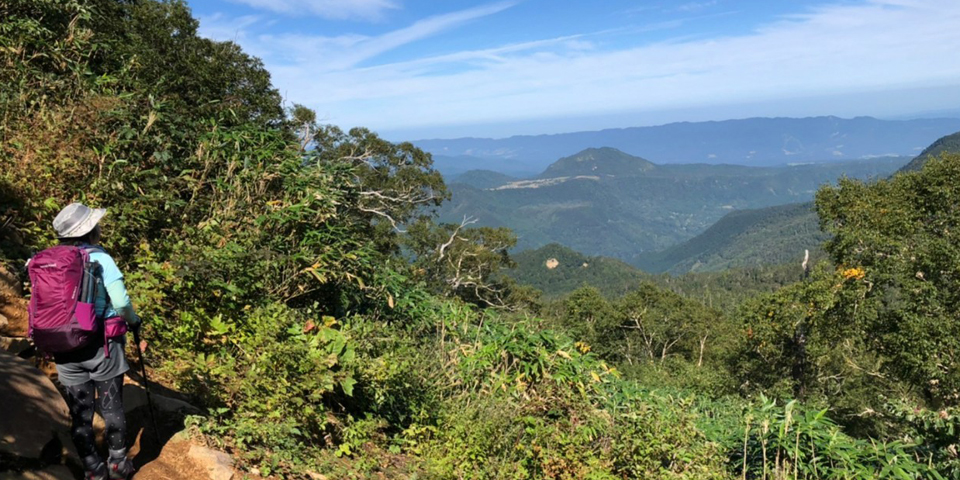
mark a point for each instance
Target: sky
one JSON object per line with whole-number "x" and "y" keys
{"x": 418, "y": 69}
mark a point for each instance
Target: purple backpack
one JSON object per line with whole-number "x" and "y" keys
{"x": 63, "y": 294}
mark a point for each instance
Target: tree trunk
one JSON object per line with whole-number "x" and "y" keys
{"x": 703, "y": 345}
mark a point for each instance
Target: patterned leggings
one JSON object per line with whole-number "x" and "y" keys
{"x": 81, "y": 400}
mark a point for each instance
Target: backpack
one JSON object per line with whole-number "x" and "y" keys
{"x": 63, "y": 294}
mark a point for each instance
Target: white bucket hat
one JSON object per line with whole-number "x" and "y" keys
{"x": 76, "y": 220}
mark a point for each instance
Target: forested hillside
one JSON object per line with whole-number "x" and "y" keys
{"x": 949, "y": 143}
{"x": 605, "y": 202}
{"x": 745, "y": 238}
{"x": 557, "y": 271}
{"x": 296, "y": 288}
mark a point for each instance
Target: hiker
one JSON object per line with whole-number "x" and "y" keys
{"x": 93, "y": 373}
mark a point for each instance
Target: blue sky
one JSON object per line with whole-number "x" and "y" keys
{"x": 414, "y": 69}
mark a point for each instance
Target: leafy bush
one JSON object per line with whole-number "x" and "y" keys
{"x": 790, "y": 442}
{"x": 935, "y": 433}
{"x": 535, "y": 404}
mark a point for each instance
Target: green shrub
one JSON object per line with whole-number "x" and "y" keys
{"x": 790, "y": 442}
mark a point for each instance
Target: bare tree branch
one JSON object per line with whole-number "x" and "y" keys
{"x": 383, "y": 214}
{"x": 453, "y": 236}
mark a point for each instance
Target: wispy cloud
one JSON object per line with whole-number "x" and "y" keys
{"x": 332, "y": 9}
{"x": 696, "y": 6}
{"x": 324, "y": 54}
{"x": 871, "y": 45}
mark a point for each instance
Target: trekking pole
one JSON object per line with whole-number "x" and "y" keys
{"x": 146, "y": 388}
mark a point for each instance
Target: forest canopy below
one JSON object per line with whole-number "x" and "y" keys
{"x": 295, "y": 285}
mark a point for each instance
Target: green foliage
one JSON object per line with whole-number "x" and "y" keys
{"x": 790, "y": 442}
{"x": 724, "y": 290}
{"x": 934, "y": 432}
{"x": 534, "y": 404}
{"x": 900, "y": 233}
{"x": 466, "y": 263}
{"x": 277, "y": 379}
{"x": 598, "y": 161}
{"x": 573, "y": 270}
{"x": 804, "y": 342}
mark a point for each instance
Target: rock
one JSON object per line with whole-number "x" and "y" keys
{"x": 35, "y": 424}
{"x": 10, "y": 283}
{"x": 13, "y": 317}
{"x": 15, "y": 345}
{"x": 13, "y": 307}
{"x": 55, "y": 472}
{"x": 218, "y": 465}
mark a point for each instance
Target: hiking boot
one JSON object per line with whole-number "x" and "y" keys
{"x": 120, "y": 469}
{"x": 98, "y": 473}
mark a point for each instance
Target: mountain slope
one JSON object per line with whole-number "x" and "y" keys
{"x": 753, "y": 141}
{"x": 744, "y": 238}
{"x": 598, "y": 161}
{"x": 557, "y": 270}
{"x": 482, "y": 179}
{"x": 949, "y": 143}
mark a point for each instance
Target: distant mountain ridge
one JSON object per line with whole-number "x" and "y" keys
{"x": 753, "y": 141}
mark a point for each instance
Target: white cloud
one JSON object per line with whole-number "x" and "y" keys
{"x": 833, "y": 49}
{"x": 332, "y": 9}
{"x": 222, "y": 28}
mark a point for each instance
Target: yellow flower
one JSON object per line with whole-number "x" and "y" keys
{"x": 855, "y": 273}
{"x": 582, "y": 346}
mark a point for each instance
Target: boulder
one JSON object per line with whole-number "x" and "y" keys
{"x": 13, "y": 307}
{"x": 15, "y": 345}
{"x": 10, "y": 283}
{"x": 54, "y": 472}
{"x": 35, "y": 424}
{"x": 218, "y": 465}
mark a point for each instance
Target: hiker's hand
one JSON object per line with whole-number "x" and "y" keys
{"x": 134, "y": 324}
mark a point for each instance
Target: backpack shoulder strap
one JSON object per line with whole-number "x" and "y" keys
{"x": 94, "y": 249}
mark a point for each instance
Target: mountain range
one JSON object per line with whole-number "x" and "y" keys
{"x": 753, "y": 141}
